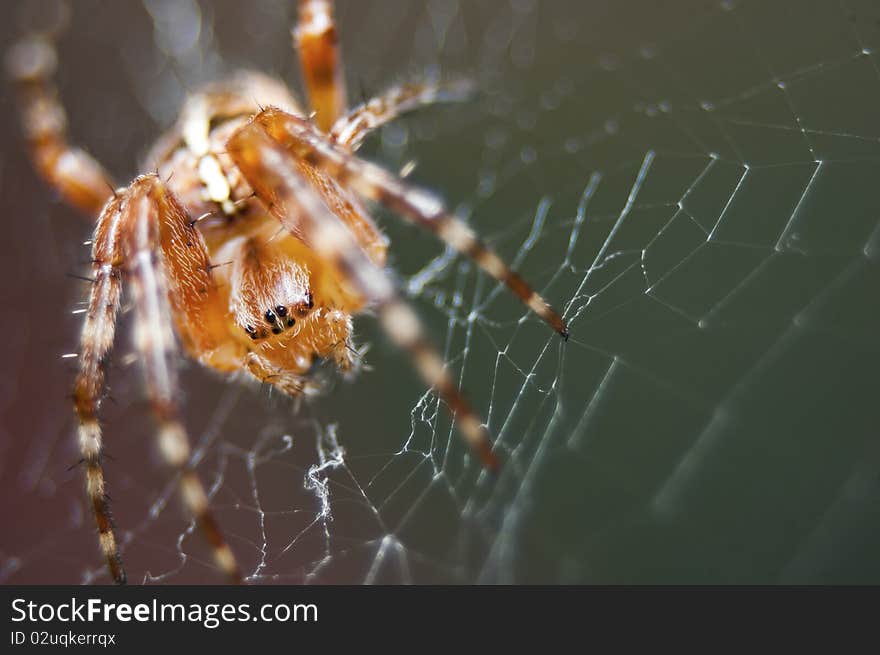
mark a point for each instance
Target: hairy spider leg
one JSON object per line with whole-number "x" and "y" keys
{"x": 77, "y": 176}
{"x": 154, "y": 206}
{"x": 274, "y": 175}
{"x": 417, "y": 205}
{"x": 198, "y": 308}
{"x": 317, "y": 42}
{"x": 95, "y": 346}
{"x": 128, "y": 241}
{"x": 351, "y": 129}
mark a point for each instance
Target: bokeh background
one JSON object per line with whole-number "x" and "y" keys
{"x": 695, "y": 183}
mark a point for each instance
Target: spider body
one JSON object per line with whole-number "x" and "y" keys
{"x": 249, "y": 246}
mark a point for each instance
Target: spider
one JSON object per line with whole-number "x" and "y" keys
{"x": 249, "y": 177}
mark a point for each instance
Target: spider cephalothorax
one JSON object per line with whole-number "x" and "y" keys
{"x": 249, "y": 246}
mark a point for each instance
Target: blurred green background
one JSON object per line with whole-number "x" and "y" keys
{"x": 694, "y": 183}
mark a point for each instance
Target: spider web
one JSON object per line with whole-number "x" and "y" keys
{"x": 694, "y": 185}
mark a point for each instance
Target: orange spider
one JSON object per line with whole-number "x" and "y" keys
{"x": 275, "y": 192}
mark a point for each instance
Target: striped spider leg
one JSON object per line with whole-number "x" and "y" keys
{"x": 145, "y": 235}
{"x": 77, "y": 176}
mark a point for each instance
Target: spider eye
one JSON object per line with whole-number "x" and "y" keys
{"x": 270, "y": 317}
{"x": 251, "y": 331}
{"x": 281, "y": 310}
{"x": 310, "y": 301}
{"x": 276, "y": 330}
